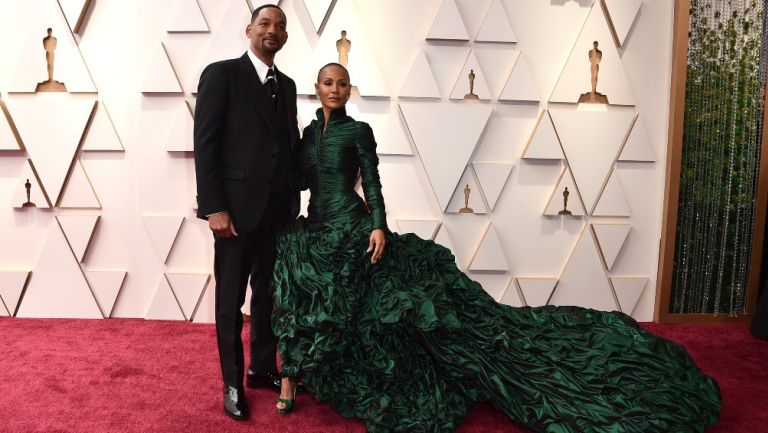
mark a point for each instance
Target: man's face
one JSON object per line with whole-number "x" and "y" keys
{"x": 267, "y": 32}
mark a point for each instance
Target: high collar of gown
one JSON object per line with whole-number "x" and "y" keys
{"x": 336, "y": 115}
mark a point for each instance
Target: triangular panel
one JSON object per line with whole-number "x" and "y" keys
{"x": 404, "y": 179}
{"x": 420, "y": 82}
{"x": 391, "y": 138}
{"x": 448, "y": 23}
{"x": 512, "y": 296}
{"x": 181, "y": 138}
{"x": 101, "y": 134}
{"x": 31, "y": 67}
{"x": 385, "y": 119}
{"x": 591, "y": 141}
{"x": 444, "y": 239}
{"x": 362, "y": 62}
{"x": 621, "y": 14}
{"x": 8, "y": 139}
{"x": 187, "y": 18}
{"x": 12, "y": 286}
{"x": 189, "y": 56}
{"x": 318, "y": 11}
{"x": 610, "y": 238}
{"x": 160, "y": 76}
{"x": 492, "y": 178}
{"x": 163, "y": 231}
{"x": 544, "y": 143}
{"x": 106, "y": 286}
{"x": 536, "y": 290}
{"x": 557, "y": 202}
{"x": 74, "y": 12}
{"x": 490, "y": 254}
{"x": 78, "y": 229}
{"x": 461, "y": 127}
{"x": 576, "y": 78}
{"x": 612, "y": 202}
{"x": 472, "y": 75}
{"x": 425, "y": 229}
{"x": 467, "y": 189}
{"x": 521, "y": 86}
{"x": 638, "y": 146}
{"x": 188, "y": 289}
{"x": 206, "y": 312}
{"x": 28, "y": 179}
{"x": 51, "y": 130}
{"x": 306, "y": 111}
{"x": 583, "y": 282}
{"x": 164, "y": 305}
{"x": 58, "y": 288}
{"x": 628, "y": 291}
{"x": 79, "y": 193}
{"x": 494, "y": 283}
{"x": 496, "y": 26}
{"x": 253, "y": 4}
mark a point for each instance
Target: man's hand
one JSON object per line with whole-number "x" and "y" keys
{"x": 221, "y": 225}
{"x": 376, "y": 244}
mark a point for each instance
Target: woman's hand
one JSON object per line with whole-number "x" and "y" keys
{"x": 376, "y": 244}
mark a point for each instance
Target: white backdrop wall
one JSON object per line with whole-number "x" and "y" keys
{"x": 123, "y": 242}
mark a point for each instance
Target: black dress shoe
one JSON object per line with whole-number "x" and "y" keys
{"x": 263, "y": 380}
{"x": 234, "y": 403}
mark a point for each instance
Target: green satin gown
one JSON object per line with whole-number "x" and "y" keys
{"x": 411, "y": 343}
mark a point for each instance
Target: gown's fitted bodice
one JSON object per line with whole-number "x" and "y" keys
{"x": 330, "y": 162}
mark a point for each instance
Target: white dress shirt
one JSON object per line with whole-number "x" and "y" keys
{"x": 261, "y": 67}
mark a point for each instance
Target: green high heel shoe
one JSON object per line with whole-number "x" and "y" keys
{"x": 287, "y": 402}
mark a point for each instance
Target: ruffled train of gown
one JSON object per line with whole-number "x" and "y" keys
{"x": 411, "y": 343}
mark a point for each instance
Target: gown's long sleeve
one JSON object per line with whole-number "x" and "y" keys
{"x": 369, "y": 170}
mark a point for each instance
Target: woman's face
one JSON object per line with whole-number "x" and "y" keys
{"x": 333, "y": 87}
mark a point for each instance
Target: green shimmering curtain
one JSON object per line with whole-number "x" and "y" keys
{"x": 721, "y": 152}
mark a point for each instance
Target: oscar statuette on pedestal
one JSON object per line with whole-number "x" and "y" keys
{"x": 593, "y": 96}
{"x": 565, "y": 210}
{"x": 50, "y": 85}
{"x": 466, "y": 208}
{"x": 28, "y": 187}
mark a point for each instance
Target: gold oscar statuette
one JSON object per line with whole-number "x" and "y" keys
{"x": 593, "y": 96}
{"x": 471, "y": 94}
{"x": 565, "y": 210}
{"x": 50, "y": 85}
{"x": 28, "y": 187}
{"x": 466, "y": 208}
{"x": 343, "y": 46}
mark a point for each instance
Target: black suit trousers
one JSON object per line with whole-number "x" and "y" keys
{"x": 251, "y": 254}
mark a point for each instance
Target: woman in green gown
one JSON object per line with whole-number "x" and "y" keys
{"x": 385, "y": 328}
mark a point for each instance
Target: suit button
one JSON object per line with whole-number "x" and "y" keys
{"x": 269, "y": 182}
{"x": 274, "y": 155}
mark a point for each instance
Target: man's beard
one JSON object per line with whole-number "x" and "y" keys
{"x": 269, "y": 49}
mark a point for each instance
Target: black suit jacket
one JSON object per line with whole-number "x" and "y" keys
{"x": 236, "y": 143}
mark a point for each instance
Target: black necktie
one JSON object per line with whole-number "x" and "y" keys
{"x": 272, "y": 85}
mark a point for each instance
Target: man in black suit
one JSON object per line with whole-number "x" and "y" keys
{"x": 246, "y": 138}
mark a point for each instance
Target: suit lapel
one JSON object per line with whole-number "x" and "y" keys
{"x": 284, "y": 99}
{"x": 255, "y": 90}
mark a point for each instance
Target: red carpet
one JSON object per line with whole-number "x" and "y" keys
{"x": 122, "y": 375}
